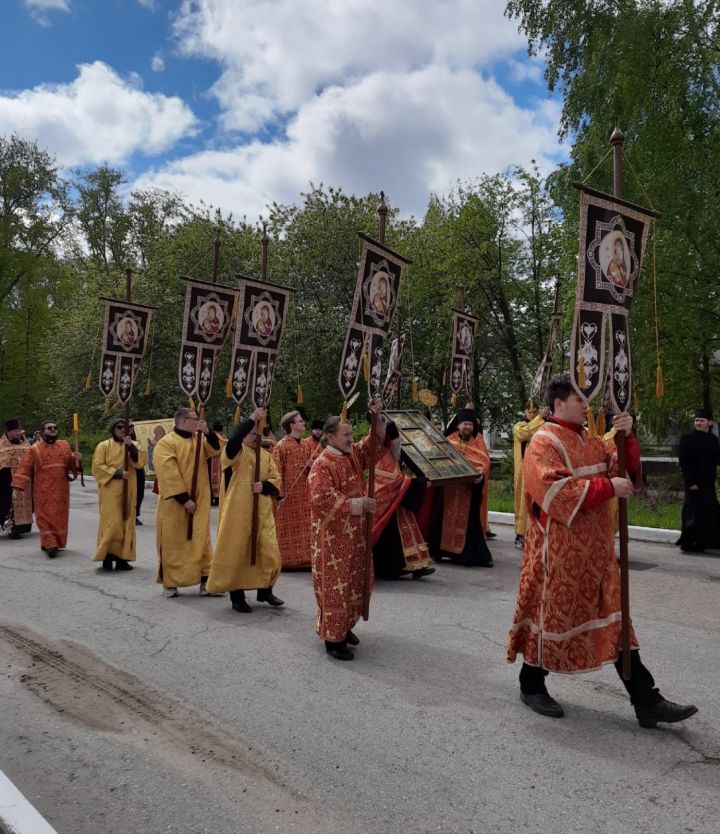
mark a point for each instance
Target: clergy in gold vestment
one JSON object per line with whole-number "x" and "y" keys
{"x": 293, "y": 459}
{"x": 116, "y": 536}
{"x": 522, "y": 435}
{"x": 567, "y": 616}
{"x": 182, "y": 561}
{"x": 15, "y": 508}
{"x": 338, "y": 505}
{"x": 231, "y": 568}
{"x": 45, "y": 471}
{"x": 457, "y": 511}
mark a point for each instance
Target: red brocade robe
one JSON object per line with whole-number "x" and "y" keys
{"x": 46, "y": 469}
{"x": 456, "y": 508}
{"x": 338, "y": 539}
{"x": 391, "y": 484}
{"x": 567, "y": 616}
{"x": 10, "y": 456}
{"x": 292, "y": 515}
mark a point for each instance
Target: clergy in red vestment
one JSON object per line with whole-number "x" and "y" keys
{"x": 338, "y": 505}
{"x": 292, "y": 515}
{"x": 46, "y": 470}
{"x": 214, "y": 467}
{"x": 313, "y": 441}
{"x": 15, "y": 508}
{"x": 458, "y": 507}
{"x": 399, "y": 548}
{"x": 567, "y": 616}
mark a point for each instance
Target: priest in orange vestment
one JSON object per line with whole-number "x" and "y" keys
{"x": 458, "y": 507}
{"x": 567, "y": 616}
{"x": 338, "y": 505}
{"x": 15, "y": 508}
{"x": 46, "y": 470}
{"x": 292, "y": 515}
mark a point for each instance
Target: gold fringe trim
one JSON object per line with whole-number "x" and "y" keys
{"x": 236, "y": 418}
{"x": 659, "y": 382}
{"x": 415, "y": 396}
{"x": 453, "y": 400}
{"x": 343, "y": 412}
{"x": 366, "y": 367}
{"x": 636, "y": 401}
{"x": 88, "y": 381}
{"x": 118, "y": 405}
{"x": 228, "y": 387}
{"x": 148, "y": 389}
{"x": 581, "y": 378}
{"x": 299, "y": 398}
{"x": 191, "y": 404}
{"x": 106, "y": 407}
{"x": 592, "y": 428}
{"x": 444, "y": 382}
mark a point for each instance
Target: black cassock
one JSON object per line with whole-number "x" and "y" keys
{"x": 699, "y": 454}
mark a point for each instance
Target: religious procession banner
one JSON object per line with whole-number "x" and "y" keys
{"x": 392, "y": 380}
{"x": 613, "y": 237}
{"x": 260, "y": 325}
{"x": 376, "y": 294}
{"x": 544, "y": 372}
{"x": 464, "y": 333}
{"x": 148, "y": 432}
{"x": 209, "y": 312}
{"x": 125, "y": 336}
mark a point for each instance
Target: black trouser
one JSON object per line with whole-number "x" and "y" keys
{"x": 140, "y": 491}
{"x": 641, "y": 686}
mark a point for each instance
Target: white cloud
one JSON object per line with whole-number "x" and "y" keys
{"x": 99, "y": 117}
{"x": 276, "y": 54}
{"x": 149, "y": 4}
{"x": 409, "y": 133}
{"x": 39, "y": 9}
{"x": 158, "y": 63}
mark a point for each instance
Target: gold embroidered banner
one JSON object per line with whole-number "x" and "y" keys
{"x": 464, "y": 329}
{"x": 125, "y": 336}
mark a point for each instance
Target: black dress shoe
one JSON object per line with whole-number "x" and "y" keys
{"x": 138, "y": 523}
{"x": 15, "y": 535}
{"x": 122, "y": 564}
{"x": 665, "y": 712}
{"x": 418, "y": 574}
{"x": 52, "y": 552}
{"x": 339, "y": 651}
{"x": 266, "y": 595}
{"x": 543, "y": 704}
{"x": 352, "y": 639}
{"x": 242, "y": 606}
{"x": 490, "y": 535}
{"x": 107, "y": 563}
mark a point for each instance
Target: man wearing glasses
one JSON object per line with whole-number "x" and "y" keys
{"x": 47, "y": 470}
{"x": 183, "y": 510}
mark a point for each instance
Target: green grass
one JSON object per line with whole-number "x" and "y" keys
{"x": 643, "y": 511}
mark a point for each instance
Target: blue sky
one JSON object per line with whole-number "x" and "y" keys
{"x": 239, "y": 102}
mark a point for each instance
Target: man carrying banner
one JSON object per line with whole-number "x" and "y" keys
{"x": 46, "y": 471}
{"x": 338, "y": 505}
{"x": 522, "y": 435}
{"x": 568, "y": 614}
{"x": 15, "y": 511}
{"x": 232, "y": 568}
{"x": 293, "y": 459}
{"x": 184, "y": 560}
{"x": 116, "y": 535}
{"x": 399, "y": 547}
{"x": 458, "y": 507}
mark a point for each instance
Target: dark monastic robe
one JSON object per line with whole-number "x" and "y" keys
{"x": 699, "y": 454}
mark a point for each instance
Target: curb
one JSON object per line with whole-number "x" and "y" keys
{"x": 17, "y": 815}
{"x": 641, "y": 534}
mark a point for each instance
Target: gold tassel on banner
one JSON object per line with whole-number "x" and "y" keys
{"x": 299, "y": 398}
{"x": 343, "y": 412}
{"x": 600, "y": 424}
{"x": 415, "y": 396}
{"x": 366, "y": 367}
{"x": 592, "y": 428}
{"x": 453, "y": 400}
{"x": 88, "y": 381}
{"x": 236, "y": 419}
{"x": 106, "y": 407}
{"x": 659, "y": 383}
{"x": 228, "y": 387}
{"x": 148, "y": 389}
{"x": 581, "y": 378}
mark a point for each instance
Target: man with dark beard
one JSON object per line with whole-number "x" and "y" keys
{"x": 699, "y": 454}
{"x": 18, "y": 509}
{"x": 45, "y": 471}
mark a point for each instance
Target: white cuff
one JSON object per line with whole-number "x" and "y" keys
{"x": 356, "y": 506}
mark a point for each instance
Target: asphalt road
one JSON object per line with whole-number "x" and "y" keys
{"x": 127, "y": 713}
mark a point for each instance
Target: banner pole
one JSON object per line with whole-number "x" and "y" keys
{"x": 126, "y": 462}
{"x": 617, "y": 141}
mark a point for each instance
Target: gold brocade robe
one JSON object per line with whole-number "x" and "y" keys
{"x": 46, "y": 470}
{"x": 567, "y": 616}
{"x": 292, "y": 515}
{"x": 522, "y": 435}
{"x": 10, "y": 456}
{"x": 181, "y": 562}
{"x": 115, "y": 537}
{"x": 338, "y": 539}
{"x": 456, "y": 507}
{"x": 231, "y": 569}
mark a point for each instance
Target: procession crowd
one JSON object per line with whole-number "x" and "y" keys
{"x": 303, "y": 503}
